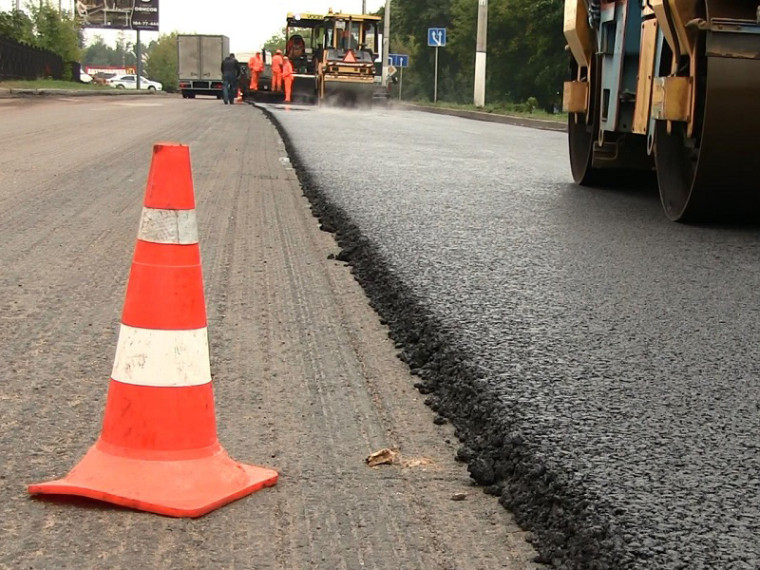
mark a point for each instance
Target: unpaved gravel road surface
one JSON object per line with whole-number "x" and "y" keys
{"x": 306, "y": 379}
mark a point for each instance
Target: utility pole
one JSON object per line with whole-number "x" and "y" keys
{"x": 139, "y": 60}
{"x": 480, "y": 54}
{"x": 386, "y": 40}
{"x": 364, "y": 6}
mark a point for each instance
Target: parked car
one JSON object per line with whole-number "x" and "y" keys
{"x": 130, "y": 82}
{"x": 101, "y": 78}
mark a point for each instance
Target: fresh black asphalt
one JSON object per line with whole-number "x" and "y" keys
{"x": 600, "y": 363}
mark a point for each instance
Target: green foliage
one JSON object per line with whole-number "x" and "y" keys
{"x": 16, "y": 25}
{"x": 276, "y": 42}
{"x": 56, "y": 32}
{"x": 98, "y": 53}
{"x": 160, "y": 58}
{"x": 410, "y": 20}
{"x": 525, "y": 49}
{"x": 126, "y": 51}
{"x": 161, "y": 64}
{"x": 531, "y": 52}
{"x": 45, "y": 28}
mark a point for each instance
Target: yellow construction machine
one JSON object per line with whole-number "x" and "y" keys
{"x": 334, "y": 57}
{"x": 669, "y": 85}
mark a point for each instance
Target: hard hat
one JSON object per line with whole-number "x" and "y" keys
{"x": 279, "y": 51}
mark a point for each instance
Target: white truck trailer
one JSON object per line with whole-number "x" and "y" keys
{"x": 199, "y": 60}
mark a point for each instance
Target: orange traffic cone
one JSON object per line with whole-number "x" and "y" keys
{"x": 239, "y": 97}
{"x": 158, "y": 450}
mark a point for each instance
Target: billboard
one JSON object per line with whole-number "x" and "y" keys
{"x": 118, "y": 14}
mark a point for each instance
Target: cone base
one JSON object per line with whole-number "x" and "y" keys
{"x": 175, "y": 488}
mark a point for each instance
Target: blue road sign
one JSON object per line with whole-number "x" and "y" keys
{"x": 398, "y": 60}
{"x": 436, "y": 37}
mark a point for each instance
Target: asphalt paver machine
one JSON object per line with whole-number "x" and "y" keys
{"x": 333, "y": 57}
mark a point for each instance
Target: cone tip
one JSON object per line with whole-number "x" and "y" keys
{"x": 170, "y": 184}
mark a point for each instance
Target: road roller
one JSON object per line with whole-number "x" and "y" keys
{"x": 670, "y": 86}
{"x": 334, "y": 57}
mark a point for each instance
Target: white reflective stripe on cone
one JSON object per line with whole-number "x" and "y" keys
{"x": 168, "y": 226}
{"x": 151, "y": 357}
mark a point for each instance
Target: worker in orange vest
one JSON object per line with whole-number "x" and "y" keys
{"x": 287, "y": 76}
{"x": 256, "y": 65}
{"x": 277, "y": 71}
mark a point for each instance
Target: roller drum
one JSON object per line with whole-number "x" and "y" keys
{"x": 715, "y": 175}
{"x": 583, "y": 130}
{"x": 348, "y": 93}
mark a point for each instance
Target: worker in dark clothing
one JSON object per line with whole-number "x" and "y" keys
{"x": 230, "y": 74}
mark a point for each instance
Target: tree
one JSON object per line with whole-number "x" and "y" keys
{"x": 16, "y": 25}
{"x": 56, "y": 32}
{"x": 161, "y": 62}
{"x": 45, "y": 28}
{"x": 276, "y": 42}
{"x": 526, "y": 55}
{"x": 98, "y": 54}
{"x": 410, "y": 20}
{"x": 526, "y": 49}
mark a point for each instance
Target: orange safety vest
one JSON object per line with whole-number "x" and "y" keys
{"x": 256, "y": 64}
{"x": 277, "y": 63}
{"x": 287, "y": 69}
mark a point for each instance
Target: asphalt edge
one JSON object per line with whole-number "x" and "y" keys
{"x": 520, "y": 121}
{"x": 569, "y": 526}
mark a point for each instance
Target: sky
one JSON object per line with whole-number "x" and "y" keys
{"x": 248, "y": 23}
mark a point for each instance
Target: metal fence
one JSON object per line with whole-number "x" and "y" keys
{"x": 22, "y": 61}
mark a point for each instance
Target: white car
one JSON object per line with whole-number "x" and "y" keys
{"x": 130, "y": 82}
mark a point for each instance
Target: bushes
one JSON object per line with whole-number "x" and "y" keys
{"x": 37, "y": 39}
{"x": 526, "y": 59}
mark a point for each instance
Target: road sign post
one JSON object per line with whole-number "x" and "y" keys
{"x": 386, "y": 40}
{"x": 436, "y": 39}
{"x": 138, "y": 53}
{"x": 399, "y": 61}
{"x": 435, "y": 84}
